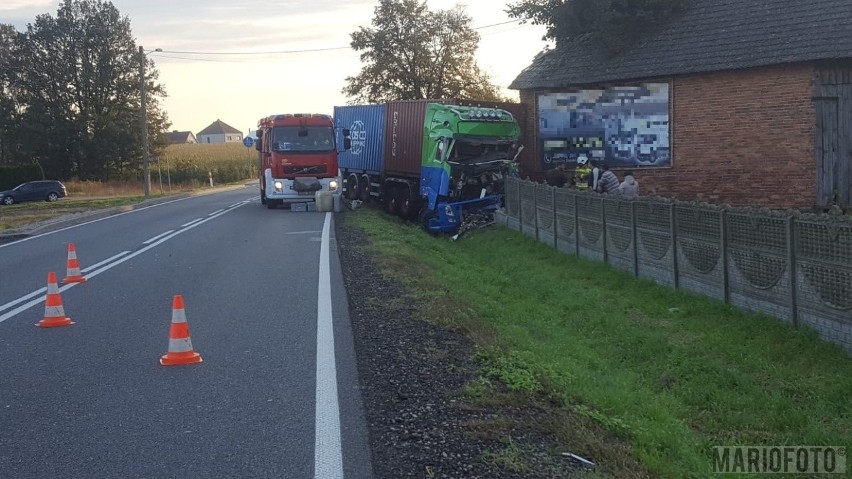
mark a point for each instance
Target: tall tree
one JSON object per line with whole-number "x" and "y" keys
{"x": 78, "y": 75}
{"x": 615, "y": 23}
{"x": 8, "y": 104}
{"x": 413, "y": 53}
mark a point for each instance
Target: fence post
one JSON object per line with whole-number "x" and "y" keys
{"x": 555, "y": 225}
{"x": 673, "y": 224}
{"x": 603, "y": 230}
{"x": 723, "y": 245}
{"x": 635, "y": 238}
{"x": 791, "y": 261}
{"x": 520, "y": 210}
{"x": 576, "y": 224}
{"x": 535, "y": 210}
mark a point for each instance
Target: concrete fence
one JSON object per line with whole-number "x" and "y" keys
{"x": 795, "y": 267}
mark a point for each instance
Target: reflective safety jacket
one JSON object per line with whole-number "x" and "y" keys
{"x": 581, "y": 177}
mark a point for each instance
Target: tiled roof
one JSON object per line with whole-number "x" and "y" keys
{"x": 178, "y": 136}
{"x": 219, "y": 127}
{"x": 712, "y": 35}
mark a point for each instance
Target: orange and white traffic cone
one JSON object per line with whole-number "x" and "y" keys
{"x": 54, "y": 313}
{"x": 180, "y": 345}
{"x": 73, "y": 275}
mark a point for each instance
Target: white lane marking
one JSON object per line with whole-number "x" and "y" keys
{"x": 217, "y": 211}
{"x": 23, "y": 298}
{"x": 103, "y": 262}
{"x": 94, "y": 221}
{"x": 328, "y": 456}
{"x": 91, "y": 275}
{"x": 301, "y": 232}
{"x": 155, "y": 238}
{"x": 189, "y": 223}
{"x": 235, "y": 204}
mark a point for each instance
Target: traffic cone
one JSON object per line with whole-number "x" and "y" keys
{"x": 73, "y": 275}
{"x": 54, "y": 314}
{"x": 180, "y": 345}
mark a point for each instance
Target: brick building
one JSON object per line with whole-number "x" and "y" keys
{"x": 741, "y": 102}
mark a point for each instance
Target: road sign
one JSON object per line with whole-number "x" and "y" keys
{"x": 248, "y": 141}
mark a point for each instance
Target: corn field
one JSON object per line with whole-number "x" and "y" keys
{"x": 191, "y": 164}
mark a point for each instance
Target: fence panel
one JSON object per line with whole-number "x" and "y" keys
{"x": 590, "y": 226}
{"x": 619, "y": 233}
{"x": 512, "y": 202}
{"x": 699, "y": 249}
{"x": 566, "y": 222}
{"x": 528, "y": 208}
{"x": 544, "y": 214}
{"x": 654, "y": 241}
{"x": 758, "y": 270}
{"x": 824, "y": 278}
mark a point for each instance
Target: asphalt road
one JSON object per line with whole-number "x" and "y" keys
{"x": 275, "y": 396}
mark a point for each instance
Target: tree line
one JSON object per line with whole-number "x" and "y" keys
{"x": 70, "y": 94}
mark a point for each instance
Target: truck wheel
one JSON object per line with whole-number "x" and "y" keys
{"x": 392, "y": 199}
{"x": 352, "y": 190}
{"x": 424, "y": 217}
{"x": 262, "y": 197}
{"x": 364, "y": 188}
{"x": 405, "y": 202}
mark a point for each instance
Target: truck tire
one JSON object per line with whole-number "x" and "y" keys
{"x": 352, "y": 189}
{"x": 424, "y": 217}
{"x": 364, "y": 188}
{"x": 391, "y": 199}
{"x": 405, "y": 202}
{"x": 262, "y": 197}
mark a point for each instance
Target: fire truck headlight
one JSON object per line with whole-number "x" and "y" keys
{"x": 332, "y": 185}
{"x": 279, "y": 185}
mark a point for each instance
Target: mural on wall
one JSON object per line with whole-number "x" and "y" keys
{"x": 624, "y": 127}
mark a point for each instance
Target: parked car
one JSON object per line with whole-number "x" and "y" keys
{"x": 47, "y": 190}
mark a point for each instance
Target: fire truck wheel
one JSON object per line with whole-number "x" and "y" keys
{"x": 352, "y": 190}
{"x": 262, "y": 197}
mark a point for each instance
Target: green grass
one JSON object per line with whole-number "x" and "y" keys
{"x": 18, "y": 215}
{"x": 671, "y": 373}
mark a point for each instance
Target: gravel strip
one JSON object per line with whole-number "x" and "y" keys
{"x": 411, "y": 377}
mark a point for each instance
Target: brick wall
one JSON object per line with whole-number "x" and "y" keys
{"x": 738, "y": 137}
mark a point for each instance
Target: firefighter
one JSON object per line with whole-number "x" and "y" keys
{"x": 582, "y": 172}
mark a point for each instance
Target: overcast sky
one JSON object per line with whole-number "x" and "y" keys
{"x": 240, "y": 89}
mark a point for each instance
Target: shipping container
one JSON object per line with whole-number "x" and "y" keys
{"x": 366, "y": 124}
{"x": 404, "y": 136}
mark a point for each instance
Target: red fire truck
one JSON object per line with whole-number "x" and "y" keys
{"x": 297, "y": 158}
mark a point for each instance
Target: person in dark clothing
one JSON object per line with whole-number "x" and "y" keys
{"x": 556, "y": 176}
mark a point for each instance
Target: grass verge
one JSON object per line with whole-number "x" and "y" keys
{"x": 671, "y": 373}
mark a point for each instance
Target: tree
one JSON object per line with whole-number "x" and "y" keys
{"x": 617, "y": 24}
{"x": 413, "y": 53}
{"x": 78, "y": 81}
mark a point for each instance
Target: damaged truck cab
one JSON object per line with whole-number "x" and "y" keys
{"x": 466, "y": 155}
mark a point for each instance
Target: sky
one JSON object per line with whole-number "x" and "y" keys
{"x": 231, "y": 82}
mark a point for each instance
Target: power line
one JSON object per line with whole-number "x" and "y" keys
{"x": 285, "y": 52}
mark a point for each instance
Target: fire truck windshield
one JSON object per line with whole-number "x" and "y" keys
{"x": 302, "y": 138}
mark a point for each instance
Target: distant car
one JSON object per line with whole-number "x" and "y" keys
{"x": 47, "y": 190}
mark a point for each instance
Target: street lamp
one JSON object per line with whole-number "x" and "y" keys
{"x": 146, "y": 173}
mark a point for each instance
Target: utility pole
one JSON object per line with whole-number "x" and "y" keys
{"x": 144, "y": 120}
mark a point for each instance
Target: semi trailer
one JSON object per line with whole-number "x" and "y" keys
{"x": 431, "y": 161}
